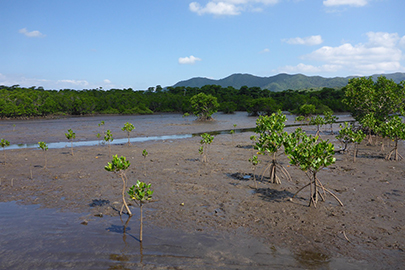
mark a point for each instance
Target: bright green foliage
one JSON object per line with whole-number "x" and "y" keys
{"x": 204, "y": 106}
{"x": 270, "y": 131}
{"x": 347, "y": 135}
{"x": 206, "y": 140}
{"x": 119, "y": 165}
{"x": 310, "y": 154}
{"x": 128, "y": 127}
{"x": 271, "y": 136}
{"x": 144, "y": 153}
{"x": 43, "y": 146}
{"x": 4, "y": 143}
{"x": 108, "y": 137}
{"x": 318, "y": 121}
{"x": 70, "y": 136}
{"x": 382, "y": 98}
{"x": 395, "y": 130}
{"x": 140, "y": 193}
{"x": 330, "y": 119}
{"x": 307, "y": 110}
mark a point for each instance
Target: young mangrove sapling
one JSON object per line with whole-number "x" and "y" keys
{"x": 3, "y": 144}
{"x": 70, "y": 136}
{"x": 44, "y": 147}
{"x": 269, "y": 141}
{"x": 140, "y": 193}
{"x": 205, "y": 142}
{"x": 119, "y": 165}
{"x": 128, "y": 127}
{"x": 310, "y": 154}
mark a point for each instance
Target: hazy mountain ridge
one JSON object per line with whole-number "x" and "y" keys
{"x": 281, "y": 81}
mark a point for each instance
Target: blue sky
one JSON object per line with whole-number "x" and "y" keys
{"x": 135, "y": 44}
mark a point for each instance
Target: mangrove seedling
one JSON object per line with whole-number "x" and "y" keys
{"x": 99, "y": 135}
{"x": 319, "y": 122}
{"x": 128, "y": 127}
{"x": 311, "y": 154}
{"x": 144, "y": 154}
{"x": 205, "y": 142}
{"x": 119, "y": 165}
{"x": 269, "y": 141}
{"x": 13, "y": 127}
{"x": 44, "y": 147}
{"x": 108, "y": 137}
{"x": 140, "y": 193}
{"x": 254, "y": 161}
{"x": 3, "y": 144}
{"x": 70, "y": 136}
{"x": 395, "y": 130}
{"x": 368, "y": 122}
{"x": 330, "y": 119}
{"x": 348, "y": 135}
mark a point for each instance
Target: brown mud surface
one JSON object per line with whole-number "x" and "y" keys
{"x": 219, "y": 196}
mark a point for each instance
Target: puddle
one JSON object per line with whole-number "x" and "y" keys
{"x": 34, "y": 238}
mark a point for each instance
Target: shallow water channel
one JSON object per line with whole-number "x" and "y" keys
{"x": 35, "y": 238}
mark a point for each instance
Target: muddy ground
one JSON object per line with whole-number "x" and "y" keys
{"x": 218, "y": 196}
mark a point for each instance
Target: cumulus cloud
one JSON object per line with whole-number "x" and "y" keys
{"x": 312, "y": 40}
{"x": 188, "y": 60}
{"x": 265, "y": 50}
{"x": 229, "y": 7}
{"x": 30, "y": 34}
{"x": 380, "y": 54}
{"x": 356, "y": 3}
{"x": 107, "y": 81}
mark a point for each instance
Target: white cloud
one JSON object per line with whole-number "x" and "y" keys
{"x": 31, "y": 34}
{"x": 229, "y": 7}
{"x": 356, "y": 3}
{"x": 380, "y": 54}
{"x": 312, "y": 40}
{"x": 188, "y": 60}
{"x": 81, "y": 83}
{"x": 107, "y": 81}
{"x": 265, "y": 50}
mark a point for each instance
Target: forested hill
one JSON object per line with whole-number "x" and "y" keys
{"x": 280, "y": 82}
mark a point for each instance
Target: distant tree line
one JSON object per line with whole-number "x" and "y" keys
{"x": 16, "y": 101}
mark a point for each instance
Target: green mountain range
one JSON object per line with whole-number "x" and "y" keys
{"x": 281, "y": 81}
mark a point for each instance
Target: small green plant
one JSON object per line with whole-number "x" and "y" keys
{"x": 319, "y": 122}
{"x": 13, "y": 127}
{"x": 108, "y": 137}
{"x": 140, "y": 193}
{"x": 254, "y": 161}
{"x": 185, "y": 116}
{"x": 368, "y": 122}
{"x": 395, "y": 130}
{"x": 233, "y": 131}
{"x": 270, "y": 140}
{"x": 99, "y": 135}
{"x": 44, "y": 147}
{"x": 310, "y": 154}
{"x": 144, "y": 154}
{"x": 128, "y": 127}
{"x": 119, "y": 165}
{"x": 4, "y": 143}
{"x": 205, "y": 142}
{"x": 70, "y": 136}
{"x": 347, "y": 135}
{"x": 330, "y": 119}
